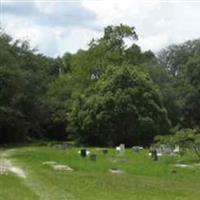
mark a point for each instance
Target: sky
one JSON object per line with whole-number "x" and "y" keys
{"x": 58, "y": 26}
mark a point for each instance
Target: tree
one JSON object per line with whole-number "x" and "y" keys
{"x": 123, "y": 107}
{"x": 24, "y": 79}
{"x": 107, "y": 50}
{"x": 67, "y": 62}
{"x": 190, "y": 90}
{"x": 182, "y": 63}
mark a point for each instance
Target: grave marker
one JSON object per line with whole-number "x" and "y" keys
{"x": 93, "y": 157}
{"x": 83, "y": 153}
{"x": 105, "y": 151}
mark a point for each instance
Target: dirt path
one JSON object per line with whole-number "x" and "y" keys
{"x": 7, "y": 166}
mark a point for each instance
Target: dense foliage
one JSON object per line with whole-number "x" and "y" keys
{"x": 109, "y": 94}
{"x": 123, "y": 106}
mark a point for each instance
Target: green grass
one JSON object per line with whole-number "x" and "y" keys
{"x": 143, "y": 179}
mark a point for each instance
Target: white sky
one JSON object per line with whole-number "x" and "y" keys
{"x": 57, "y": 26}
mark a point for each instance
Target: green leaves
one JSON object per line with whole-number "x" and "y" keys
{"x": 108, "y": 94}
{"x": 115, "y": 110}
{"x": 23, "y": 83}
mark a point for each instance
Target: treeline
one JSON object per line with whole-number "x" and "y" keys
{"x": 106, "y": 95}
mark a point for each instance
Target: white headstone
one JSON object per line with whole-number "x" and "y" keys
{"x": 176, "y": 149}
{"x": 122, "y": 147}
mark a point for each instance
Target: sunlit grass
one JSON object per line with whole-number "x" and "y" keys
{"x": 143, "y": 178}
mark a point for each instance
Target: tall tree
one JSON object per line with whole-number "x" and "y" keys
{"x": 123, "y": 106}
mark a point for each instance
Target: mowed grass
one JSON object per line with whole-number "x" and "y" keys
{"x": 143, "y": 179}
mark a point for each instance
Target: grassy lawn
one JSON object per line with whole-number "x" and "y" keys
{"x": 143, "y": 179}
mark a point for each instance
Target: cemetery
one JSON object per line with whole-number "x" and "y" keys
{"x": 99, "y": 100}
{"x": 99, "y": 173}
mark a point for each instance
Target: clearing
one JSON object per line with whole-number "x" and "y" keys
{"x": 30, "y": 175}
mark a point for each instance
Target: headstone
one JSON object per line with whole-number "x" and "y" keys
{"x": 83, "y": 153}
{"x": 137, "y": 148}
{"x": 49, "y": 163}
{"x": 61, "y": 167}
{"x": 176, "y": 149}
{"x": 58, "y": 146}
{"x": 105, "y": 151}
{"x": 116, "y": 171}
{"x": 120, "y": 148}
{"x": 93, "y": 157}
{"x": 154, "y": 154}
{"x": 63, "y": 146}
{"x": 166, "y": 149}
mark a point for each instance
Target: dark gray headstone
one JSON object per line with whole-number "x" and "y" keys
{"x": 93, "y": 157}
{"x": 105, "y": 151}
{"x": 83, "y": 153}
{"x": 154, "y": 155}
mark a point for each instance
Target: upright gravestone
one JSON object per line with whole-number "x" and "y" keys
{"x": 176, "y": 149}
{"x": 93, "y": 157}
{"x": 105, "y": 151}
{"x": 154, "y": 154}
{"x": 83, "y": 153}
{"x": 122, "y": 148}
{"x": 137, "y": 148}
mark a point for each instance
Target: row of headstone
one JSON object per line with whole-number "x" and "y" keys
{"x": 165, "y": 150}
{"x": 120, "y": 149}
{"x": 63, "y": 146}
{"x": 84, "y": 153}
